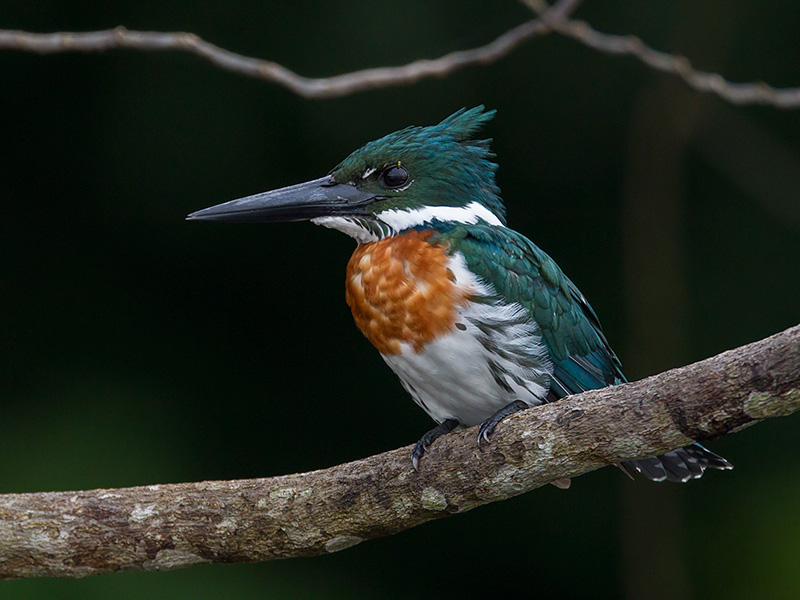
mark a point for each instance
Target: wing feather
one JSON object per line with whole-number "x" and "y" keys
{"x": 517, "y": 269}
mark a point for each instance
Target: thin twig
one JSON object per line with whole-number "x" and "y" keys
{"x": 555, "y": 18}
{"x": 756, "y": 92}
{"x": 160, "y": 527}
{"x": 325, "y": 87}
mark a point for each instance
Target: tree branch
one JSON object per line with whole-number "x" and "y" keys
{"x": 324, "y": 87}
{"x": 555, "y": 18}
{"x": 159, "y": 527}
{"x": 756, "y": 92}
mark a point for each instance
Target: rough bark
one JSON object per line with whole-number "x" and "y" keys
{"x": 159, "y": 527}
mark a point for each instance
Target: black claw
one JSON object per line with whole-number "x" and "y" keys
{"x": 417, "y": 453}
{"x": 424, "y": 443}
{"x": 487, "y": 427}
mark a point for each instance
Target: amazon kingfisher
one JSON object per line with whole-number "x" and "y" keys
{"x": 476, "y": 321}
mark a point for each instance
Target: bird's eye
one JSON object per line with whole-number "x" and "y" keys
{"x": 394, "y": 177}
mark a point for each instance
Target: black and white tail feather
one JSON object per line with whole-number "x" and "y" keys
{"x": 679, "y": 466}
{"x": 603, "y": 366}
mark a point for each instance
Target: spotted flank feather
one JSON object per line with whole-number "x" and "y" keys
{"x": 581, "y": 355}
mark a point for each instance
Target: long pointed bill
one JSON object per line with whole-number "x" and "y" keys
{"x": 319, "y": 198}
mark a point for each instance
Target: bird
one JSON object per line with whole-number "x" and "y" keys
{"x": 476, "y": 320}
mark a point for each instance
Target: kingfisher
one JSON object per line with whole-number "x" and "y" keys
{"x": 476, "y": 321}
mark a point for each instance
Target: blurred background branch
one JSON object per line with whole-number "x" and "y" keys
{"x": 324, "y": 87}
{"x": 756, "y": 92}
{"x": 555, "y": 18}
{"x": 163, "y": 527}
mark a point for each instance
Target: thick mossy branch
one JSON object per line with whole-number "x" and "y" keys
{"x": 74, "y": 534}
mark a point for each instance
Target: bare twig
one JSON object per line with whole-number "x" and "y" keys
{"x": 551, "y": 18}
{"x": 325, "y": 87}
{"x": 756, "y": 92}
{"x": 159, "y": 527}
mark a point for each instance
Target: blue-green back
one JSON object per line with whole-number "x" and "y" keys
{"x": 520, "y": 271}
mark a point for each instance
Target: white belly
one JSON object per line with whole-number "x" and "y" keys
{"x": 494, "y": 356}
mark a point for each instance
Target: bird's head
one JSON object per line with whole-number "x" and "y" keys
{"x": 410, "y": 178}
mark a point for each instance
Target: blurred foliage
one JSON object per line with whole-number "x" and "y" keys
{"x": 139, "y": 348}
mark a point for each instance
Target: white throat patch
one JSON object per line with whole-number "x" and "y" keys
{"x": 390, "y": 222}
{"x": 358, "y": 229}
{"x": 471, "y": 213}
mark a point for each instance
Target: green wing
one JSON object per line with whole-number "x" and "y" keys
{"x": 518, "y": 270}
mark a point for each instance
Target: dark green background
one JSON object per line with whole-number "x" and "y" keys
{"x": 139, "y": 348}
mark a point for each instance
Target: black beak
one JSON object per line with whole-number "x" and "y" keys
{"x": 319, "y": 198}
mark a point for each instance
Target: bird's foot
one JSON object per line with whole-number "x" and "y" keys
{"x": 424, "y": 443}
{"x": 487, "y": 427}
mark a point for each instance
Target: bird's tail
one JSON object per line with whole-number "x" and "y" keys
{"x": 679, "y": 465}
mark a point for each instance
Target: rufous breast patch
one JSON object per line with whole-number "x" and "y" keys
{"x": 401, "y": 290}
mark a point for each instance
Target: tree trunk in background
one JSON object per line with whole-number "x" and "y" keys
{"x": 656, "y": 297}
{"x": 656, "y": 308}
